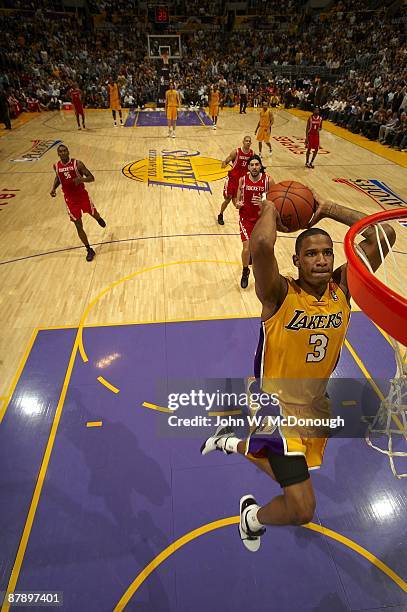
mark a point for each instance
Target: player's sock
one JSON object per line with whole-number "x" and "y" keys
{"x": 244, "y": 281}
{"x": 220, "y": 219}
{"x": 251, "y": 518}
{"x": 101, "y": 222}
{"x": 249, "y": 534}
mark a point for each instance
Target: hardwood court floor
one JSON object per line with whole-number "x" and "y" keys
{"x": 98, "y": 496}
{"x": 44, "y": 277}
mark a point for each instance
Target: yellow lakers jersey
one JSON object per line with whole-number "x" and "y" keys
{"x": 172, "y": 98}
{"x": 301, "y": 343}
{"x": 214, "y": 101}
{"x": 265, "y": 118}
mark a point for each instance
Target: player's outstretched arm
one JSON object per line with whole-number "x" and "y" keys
{"x": 230, "y": 158}
{"x": 327, "y": 209}
{"x": 271, "y": 287}
{"x": 86, "y": 175}
{"x": 239, "y": 200}
{"x": 55, "y": 186}
{"x": 307, "y": 130}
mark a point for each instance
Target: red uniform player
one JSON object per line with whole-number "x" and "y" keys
{"x": 252, "y": 186}
{"x": 71, "y": 174}
{"x": 314, "y": 126}
{"x": 238, "y": 158}
{"x": 76, "y": 97}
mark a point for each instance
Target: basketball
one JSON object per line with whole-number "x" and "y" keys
{"x": 294, "y": 202}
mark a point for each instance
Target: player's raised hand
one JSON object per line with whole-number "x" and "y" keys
{"x": 263, "y": 203}
{"x": 322, "y": 206}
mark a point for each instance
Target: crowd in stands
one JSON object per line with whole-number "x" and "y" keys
{"x": 43, "y": 53}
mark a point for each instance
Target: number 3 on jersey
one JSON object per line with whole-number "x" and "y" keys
{"x": 319, "y": 343}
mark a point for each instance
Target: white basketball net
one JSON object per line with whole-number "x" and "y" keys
{"x": 390, "y": 422}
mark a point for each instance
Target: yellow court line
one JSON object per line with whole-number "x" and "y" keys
{"x": 18, "y": 374}
{"x": 200, "y": 119}
{"x": 364, "y": 369}
{"x": 374, "y": 147}
{"x": 157, "y": 408}
{"x": 233, "y": 520}
{"x": 372, "y": 383}
{"x": 136, "y": 121}
{"x": 129, "y": 277}
{"x": 107, "y": 384}
{"x": 94, "y": 424}
{"x": 387, "y": 337}
{"x": 349, "y": 403}
{"x": 40, "y": 481}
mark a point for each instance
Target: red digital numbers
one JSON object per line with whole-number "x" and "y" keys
{"x": 161, "y": 14}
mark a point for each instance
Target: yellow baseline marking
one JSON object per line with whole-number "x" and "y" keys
{"x": 374, "y": 147}
{"x": 364, "y": 369}
{"x": 349, "y": 403}
{"x": 107, "y": 384}
{"x": 157, "y": 408}
{"x": 94, "y": 424}
{"x": 40, "y": 481}
{"x": 129, "y": 277}
{"x": 200, "y": 119}
{"x": 17, "y": 375}
{"x": 233, "y": 520}
{"x": 371, "y": 381}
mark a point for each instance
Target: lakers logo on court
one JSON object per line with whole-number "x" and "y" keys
{"x": 377, "y": 190}
{"x": 178, "y": 168}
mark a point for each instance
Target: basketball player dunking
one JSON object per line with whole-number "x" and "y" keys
{"x": 76, "y": 97}
{"x": 304, "y": 323}
{"x": 314, "y": 126}
{"x": 71, "y": 174}
{"x": 238, "y": 158}
{"x": 254, "y": 183}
